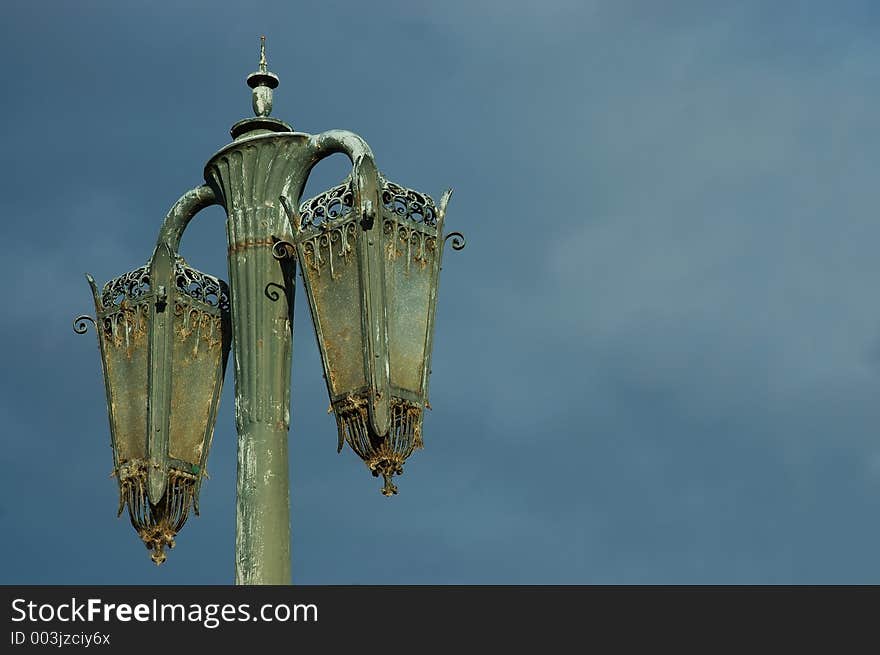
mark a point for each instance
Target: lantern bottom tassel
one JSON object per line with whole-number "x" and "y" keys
{"x": 158, "y": 524}
{"x": 384, "y": 455}
{"x": 387, "y": 468}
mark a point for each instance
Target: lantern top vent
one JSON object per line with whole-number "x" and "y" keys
{"x": 337, "y": 202}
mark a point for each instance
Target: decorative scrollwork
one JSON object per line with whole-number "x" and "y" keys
{"x": 129, "y": 286}
{"x": 283, "y": 249}
{"x": 339, "y": 202}
{"x": 406, "y": 239}
{"x": 270, "y": 292}
{"x": 335, "y": 242}
{"x": 189, "y": 319}
{"x": 458, "y": 240}
{"x": 135, "y": 284}
{"x": 328, "y": 206}
{"x": 408, "y": 203}
{"x": 201, "y": 286}
{"x": 126, "y": 326}
{"x": 80, "y": 326}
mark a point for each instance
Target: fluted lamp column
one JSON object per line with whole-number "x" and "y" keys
{"x": 249, "y": 175}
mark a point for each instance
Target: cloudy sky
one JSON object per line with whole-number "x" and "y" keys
{"x": 656, "y": 361}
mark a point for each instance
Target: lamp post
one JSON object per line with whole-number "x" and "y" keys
{"x": 370, "y": 255}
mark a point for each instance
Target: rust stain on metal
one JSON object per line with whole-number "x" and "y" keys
{"x": 247, "y": 244}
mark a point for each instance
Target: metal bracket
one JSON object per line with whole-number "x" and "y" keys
{"x": 368, "y": 217}
{"x": 161, "y": 298}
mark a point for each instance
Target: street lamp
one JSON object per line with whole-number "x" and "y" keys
{"x": 163, "y": 332}
{"x": 370, "y": 255}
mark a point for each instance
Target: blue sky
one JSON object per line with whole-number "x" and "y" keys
{"x": 657, "y": 360}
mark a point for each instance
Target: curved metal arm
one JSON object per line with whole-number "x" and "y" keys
{"x": 333, "y": 141}
{"x": 181, "y": 212}
{"x": 365, "y": 175}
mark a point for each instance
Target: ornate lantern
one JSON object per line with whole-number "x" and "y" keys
{"x": 370, "y": 253}
{"x": 164, "y": 335}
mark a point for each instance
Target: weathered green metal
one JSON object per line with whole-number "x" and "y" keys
{"x": 370, "y": 253}
{"x": 163, "y": 332}
{"x": 182, "y": 212}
